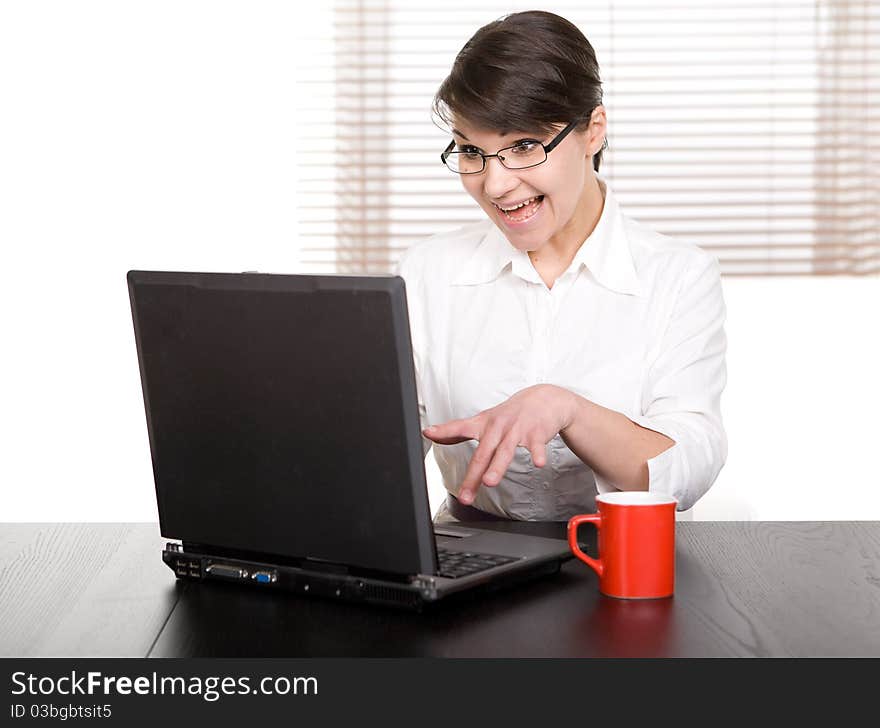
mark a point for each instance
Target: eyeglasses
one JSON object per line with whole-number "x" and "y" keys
{"x": 522, "y": 155}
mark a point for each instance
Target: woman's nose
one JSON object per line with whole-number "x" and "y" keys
{"x": 498, "y": 180}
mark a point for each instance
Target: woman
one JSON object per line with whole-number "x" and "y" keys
{"x": 561, "y": 348}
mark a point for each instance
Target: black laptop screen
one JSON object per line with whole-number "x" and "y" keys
{"x": 282, "y": 417}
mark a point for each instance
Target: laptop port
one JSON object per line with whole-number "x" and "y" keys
{"x": 264, "y": 577}
{"x": 231, "y": 572}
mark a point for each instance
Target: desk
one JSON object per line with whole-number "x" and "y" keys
{"x": 742, "y": 589}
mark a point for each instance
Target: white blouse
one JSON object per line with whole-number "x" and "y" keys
{"x": 635, "y": 324}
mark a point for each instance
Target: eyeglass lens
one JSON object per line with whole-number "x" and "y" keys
{"x": 516, "y": 157}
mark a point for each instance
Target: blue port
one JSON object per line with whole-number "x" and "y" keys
{"x": 261, "y": 577}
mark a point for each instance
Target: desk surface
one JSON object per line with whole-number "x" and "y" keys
{"x": 742, "y": 589}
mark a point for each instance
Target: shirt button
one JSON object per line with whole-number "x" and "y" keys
{"x": 546, "y": 485}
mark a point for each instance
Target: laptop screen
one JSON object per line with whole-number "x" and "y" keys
{"x": 282, "y": 415}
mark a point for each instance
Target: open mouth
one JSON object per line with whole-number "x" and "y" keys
{"x": 522, "y": 211}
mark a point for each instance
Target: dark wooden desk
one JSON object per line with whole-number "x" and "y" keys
{"x": 759, "y": 589}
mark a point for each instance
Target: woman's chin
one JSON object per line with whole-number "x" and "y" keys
{"x": 527, "y": 242}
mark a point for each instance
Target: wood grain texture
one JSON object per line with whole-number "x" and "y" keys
{"x": 785, "y": 588}
{"x": 82, "y": 589}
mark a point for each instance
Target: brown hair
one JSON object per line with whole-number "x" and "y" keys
{"x": 526, "y": 72}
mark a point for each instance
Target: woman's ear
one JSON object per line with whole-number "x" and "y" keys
{"x": 596, "y": 131}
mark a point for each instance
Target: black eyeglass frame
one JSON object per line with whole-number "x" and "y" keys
{"x": 549, "y": 147}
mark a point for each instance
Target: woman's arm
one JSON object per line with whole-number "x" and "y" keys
{"x": 615, "y": 447}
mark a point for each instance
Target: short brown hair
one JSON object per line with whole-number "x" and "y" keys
{"x": 527, "y": 72}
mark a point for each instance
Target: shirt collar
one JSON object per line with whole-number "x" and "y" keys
{"x": 605, "y": 253}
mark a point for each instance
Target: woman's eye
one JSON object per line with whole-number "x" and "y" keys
{"x": 524, "y": 147}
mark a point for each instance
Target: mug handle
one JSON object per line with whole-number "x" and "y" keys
{"x": 596, "y": 519}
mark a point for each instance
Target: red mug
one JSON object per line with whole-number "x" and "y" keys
{"x": 636, "y": 545}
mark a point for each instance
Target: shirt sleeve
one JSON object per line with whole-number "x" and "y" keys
{"x": 682, "y": 394}
{"x": 405, "y": 270}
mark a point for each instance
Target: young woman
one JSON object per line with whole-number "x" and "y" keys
{"x": 561, "y": 348}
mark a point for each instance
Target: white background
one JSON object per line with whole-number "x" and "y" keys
{"x": 163, "y": 135}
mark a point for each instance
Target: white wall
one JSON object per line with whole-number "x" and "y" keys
{"x": 163, "y": 135}
{"x": 802, "y": 401}
{"x": 132, "y": 135}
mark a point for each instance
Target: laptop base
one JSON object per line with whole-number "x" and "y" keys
{"x": 414, "y": 593}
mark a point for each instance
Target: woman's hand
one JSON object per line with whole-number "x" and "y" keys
{"x": 530, "y": 418}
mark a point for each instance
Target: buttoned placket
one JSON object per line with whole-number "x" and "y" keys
{"x": 542, "y": 332}
{"x": 556, "y": 296}
{"x": 544, "y": 309}
{"x": 545, "y": 300}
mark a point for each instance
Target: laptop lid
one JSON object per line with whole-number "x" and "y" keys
{"x": 282, "y": 415}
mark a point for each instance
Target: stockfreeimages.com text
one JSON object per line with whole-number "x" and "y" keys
{"x": 210, "y": 688}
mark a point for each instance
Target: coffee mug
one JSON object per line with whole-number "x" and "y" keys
{"x": 636, "y": 544}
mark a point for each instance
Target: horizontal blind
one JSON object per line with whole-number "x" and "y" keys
{"x": 750, "y": 129}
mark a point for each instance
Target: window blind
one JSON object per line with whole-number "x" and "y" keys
{"x": 750, "y": 129}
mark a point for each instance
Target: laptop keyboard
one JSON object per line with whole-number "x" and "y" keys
{"x": 454, "y": 564}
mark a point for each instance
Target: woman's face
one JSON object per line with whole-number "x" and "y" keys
{"x": 556, "y": 192}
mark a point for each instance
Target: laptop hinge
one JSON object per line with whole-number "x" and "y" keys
{"x": 424, "y": 582}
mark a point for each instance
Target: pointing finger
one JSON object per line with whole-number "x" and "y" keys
{"x": 452, "y": 432}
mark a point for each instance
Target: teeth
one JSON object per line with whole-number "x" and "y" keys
{"x": 516, "y": 207}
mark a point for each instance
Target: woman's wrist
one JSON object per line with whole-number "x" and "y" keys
{"x": 573, "y": 409}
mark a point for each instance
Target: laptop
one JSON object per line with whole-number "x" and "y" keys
{"x": 286, "y": 446}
